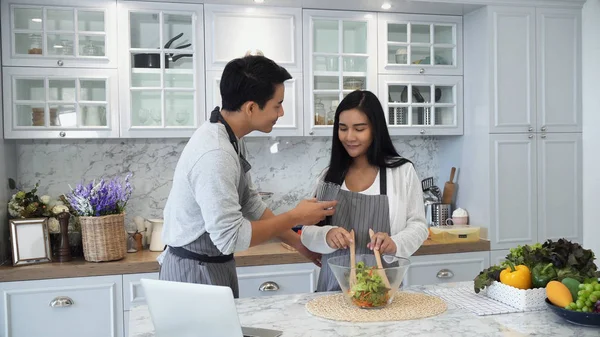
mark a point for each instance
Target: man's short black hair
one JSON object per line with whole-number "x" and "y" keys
{"x": 250, "y": 78}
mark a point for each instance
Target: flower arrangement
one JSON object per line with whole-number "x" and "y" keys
{"x": 100, "y": 198}
{"x": 25, "y": 205}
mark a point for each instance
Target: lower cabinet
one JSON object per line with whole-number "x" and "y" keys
{"x": 444, "y": 268}
{"x": 133, "y": 294}
{"x": 281, "y": 279}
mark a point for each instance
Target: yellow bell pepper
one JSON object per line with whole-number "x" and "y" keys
{"x": 516, "y": 276}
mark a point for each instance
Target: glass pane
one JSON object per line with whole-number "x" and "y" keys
{"x": 146, "y": 108}
{"x": 397, "y": 32}
{"x": 444, "y": 94}
{"x": 174, "y": 25}
{"x": 324, "y": 110}
{"x": 355, "y": 64}
{"x": 61, "y": 90}
{"x": 443, "y": 56}
{"x": 60, "y": 44}
{"x": 179, "y": 108}
{"x": 421, "y": 94}
{"x": 421, "y": 115}
{"x": 320, "y": 63}
{"x": 332, "y": 63}
{"x": 90, "y": 21}
{"x": 66, "y": 115}
{"x": 398, "y": 93}
{"x": 420, "y": 34}
{"x": 444, "y": 116}
{"x": 180, "y": 61}
{"x": 30, "y": 90}
{"x": 93, "y": 115}
{"x": 355, "y": 37}
{"x": 141, "y": 79}
{"x": 144, "y": 30}
{"x": 91, "y": 45}
{"x": 178, "y": 80}
{"x": 443, "y": 34}
{"x": 26, "y": 43}
{"x": 29, "y": 115}
{"x": 59, "y": 19}
{"x": 354, "y": 83}
{"x": 326, "y": 36}
{"x": 397, "y": 55}
{"x": 92, "y": 90}
{"x": 420, "y": 55}
{"x": 398, "y": 115}
{"x": 327, "y": 83}
{"x": 28, "y": 18}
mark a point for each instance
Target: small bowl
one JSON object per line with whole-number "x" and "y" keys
{"x": 575, "y": 317}
{"x": 394, "y": 268}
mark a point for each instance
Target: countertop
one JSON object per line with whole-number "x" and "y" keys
{"x": 145, "y": 261}
{"x": 287, "y": 313}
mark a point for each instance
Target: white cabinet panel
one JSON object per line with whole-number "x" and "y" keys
{"x": 283, "y": 279}
{"x": 444, "y": 268}
{"x": 133, "y": 292}
{"x": 498, "y": 256}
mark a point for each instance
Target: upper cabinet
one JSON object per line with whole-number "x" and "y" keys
{"x": 161, "y": 69}
{"x": 59, "y": 33}
{"x": 340, "y": 56}
{"x": 420, "y": 44}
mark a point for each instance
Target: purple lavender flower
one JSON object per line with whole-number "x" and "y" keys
{"x": 103, "y": 198}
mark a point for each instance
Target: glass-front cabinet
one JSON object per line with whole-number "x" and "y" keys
{"x": 70, "y": 103}
{"x": 422, "y": 105}
{"x": 161, "y": 69}
{"x": 420, "y": 44}
{"x": 64, "y": 33}
{"x": 339, "y": 57}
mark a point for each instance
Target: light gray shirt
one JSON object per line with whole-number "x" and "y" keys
{"x": 211, "y": 193}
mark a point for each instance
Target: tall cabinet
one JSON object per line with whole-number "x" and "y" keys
{"x": 520, "y": 157}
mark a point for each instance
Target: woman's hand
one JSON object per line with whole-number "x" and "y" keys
{"x": 338, "y": 238}
{"x": 383, "y": 242}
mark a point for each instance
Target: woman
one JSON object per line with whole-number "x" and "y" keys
{"x": 380, "y": 190}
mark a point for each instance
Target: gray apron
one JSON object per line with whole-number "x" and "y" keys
{"x": 359, "y": 212}
{"x": 201, "y": 261}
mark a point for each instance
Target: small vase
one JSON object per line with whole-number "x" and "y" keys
{"x": 64, "y": 250}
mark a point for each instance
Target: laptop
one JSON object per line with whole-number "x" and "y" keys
{"x": 195, "y": 310}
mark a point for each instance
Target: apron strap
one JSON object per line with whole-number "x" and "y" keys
{"x": 383, "y": 181}
{"x": 215, "y": 116}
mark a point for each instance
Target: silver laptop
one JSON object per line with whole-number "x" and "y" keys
{"x": 195, "y": 310}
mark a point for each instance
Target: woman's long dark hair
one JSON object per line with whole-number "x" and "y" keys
{"x": 381, "y": 153}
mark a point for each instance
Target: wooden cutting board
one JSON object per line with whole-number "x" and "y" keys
{"x": 449, "y": 188}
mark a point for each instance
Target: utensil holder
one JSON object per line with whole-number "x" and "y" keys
{"x": 440, "y": 213}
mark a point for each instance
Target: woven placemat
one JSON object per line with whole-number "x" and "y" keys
{"x": 405, "y": 306}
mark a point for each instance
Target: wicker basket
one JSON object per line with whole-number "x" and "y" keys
{"x": 103, "y": 237}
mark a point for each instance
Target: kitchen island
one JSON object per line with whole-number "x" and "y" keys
{"x": 288, "y": 314}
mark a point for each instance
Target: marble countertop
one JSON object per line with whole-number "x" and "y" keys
{"x": 288, "y": 314}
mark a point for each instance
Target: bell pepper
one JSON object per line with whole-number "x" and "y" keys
{"x": 541, "y": 274}
{"x": 516, "y": 276}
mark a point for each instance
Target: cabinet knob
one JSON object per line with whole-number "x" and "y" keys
{"x": 60, "y": 63}
{"x": 530, "y": 136}
{"x": 543, "y": 128}
{"x": 269, "y": 286}
{"x": 62, "y": 134}
{"x": 445, "y": 273}
{"x": 311, "y": 133}
{"x": 422, "y": 71}
{"x": 422, "y": 131}
{"x": 61, "y": 301}
{"x": 543, "y": 136}
{"x": 530, "y": 129}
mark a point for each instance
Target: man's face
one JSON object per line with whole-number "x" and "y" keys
{"x": 264, "y": 119}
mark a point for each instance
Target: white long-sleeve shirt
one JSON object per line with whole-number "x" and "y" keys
{"x": 407, "y": 213}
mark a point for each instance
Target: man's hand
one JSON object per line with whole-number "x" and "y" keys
{"x": 383, "y": 242}
{"x": 310, "y": 212}
{"x": 338, "y": 238}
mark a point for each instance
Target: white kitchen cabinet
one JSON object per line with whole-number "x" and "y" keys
{"x": 60, "y": 103}
{"x": 498, "y": 256}
{"x": 419, "y": 44}
{"x": 232, "y": 31}
{"x": 161, "y": 69}
{"x": 84, "y": 306}
{"x": 133, "y": 295}
{"x": 340, "y": 56}
{"x": 282, "y": 279}
{"x": 422, "y": 105}
{"x": 444, "y": 268}
{"x": 59, "y": 33}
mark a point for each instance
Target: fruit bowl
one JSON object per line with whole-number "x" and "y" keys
{"x": 575, "y": 317}
{"x": 374, "y": 287}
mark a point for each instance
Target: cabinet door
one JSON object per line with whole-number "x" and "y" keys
{"x": 513, "y": 190}
{"x": 444, "y": 268}
{"x": 232, "y": 31}
{"x": 66, "y": 103}
{"x": 513, "y": 70}
{"x": 161, "y": 69}
{"x": 559, "y": 70}
{"x": 560, "y": 187}
{"x": 422, "y": 105}
{"x": 498, "y": 256}
{"x": 283, "y": 279}
{"x": 65, "y": 33}
{"x": 339, "y": 57}
{"x": 420, "y": 44}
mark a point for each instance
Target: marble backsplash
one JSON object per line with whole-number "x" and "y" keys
{"x": 288, "y": 166}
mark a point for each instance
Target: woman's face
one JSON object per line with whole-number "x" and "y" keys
{"x": 355, "y": 132}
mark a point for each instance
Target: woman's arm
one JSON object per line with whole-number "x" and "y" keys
{"x": 315, "y": 239}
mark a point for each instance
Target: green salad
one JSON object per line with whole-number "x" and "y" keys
{"x": 369, "y": 290}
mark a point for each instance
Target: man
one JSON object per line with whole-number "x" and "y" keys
{"x": 213, "y": 209}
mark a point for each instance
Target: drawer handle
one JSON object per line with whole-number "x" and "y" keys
{"x": 445, "y": 273}
{"x": 61, "y": 301}
{"x": 268, "y": 286}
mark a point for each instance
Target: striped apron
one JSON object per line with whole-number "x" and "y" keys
{"x": 359, "y": 212}
{"x": 201, "y": 261}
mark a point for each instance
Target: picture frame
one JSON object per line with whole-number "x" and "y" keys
{"x": 30, "y": 241}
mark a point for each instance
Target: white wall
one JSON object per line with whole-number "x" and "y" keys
{"x": 591, "y": 123}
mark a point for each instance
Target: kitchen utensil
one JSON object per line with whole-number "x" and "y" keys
{"x": 152, "y": 60}
{"x": 457, "y": 220}
{"x": 449, "y": 188}
{"x": 575, "y": 317}
{"x": 327, "y": 191}
{"x": 156, "y": 243}
{"x": 378, "y": 260}
{"x": 439, "y": 213}
{"x": 436, "y": 192}
{"x": 352, "y": 260}
{"x": 426, "y": 183}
